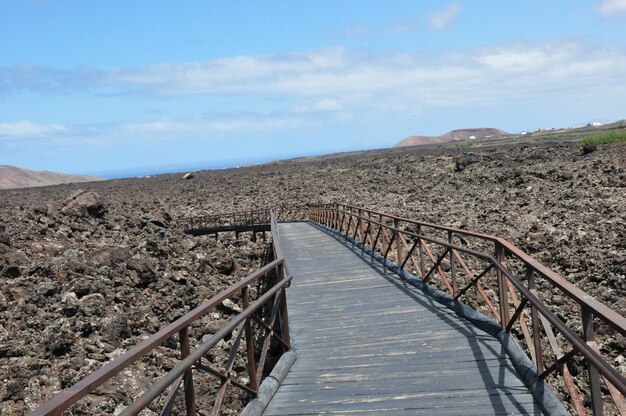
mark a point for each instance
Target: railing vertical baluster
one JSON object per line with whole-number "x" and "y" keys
{"x": 357, "y": 228}
{"x": 452, "y": 266}
{"x": 348, "y": 227}
{"x": 343, "y": 220}
{"x": 422, "y": 271}
{"x": 589, "y": 334}
{"x": 250, "y": 343}
{"x": 190, "y": 400}
{"x": 398, "y": 244}
{"x": 368, "y": 230}
{"x": 284, "y": 317}
{"x": 530, "y": 276}
{"x": 503, "y": 290}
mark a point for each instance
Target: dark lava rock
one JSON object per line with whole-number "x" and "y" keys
{"x": 4, "y": 238}
{"x": 224, "y": 265}
{"x": 40, "y": 209}
{"x": 84, "y": 203}
{"x": 214, "y": 326}
{"x": 112, "y": 256}
{"x": 14, "y": 263}
{"x": 15, "y": 389}
{"x": 58, "y": 345}
{"x": 48, "y": 289}
{"x": 144, "y": 268}
{"x": 117, "y": 330}
{"x": 82, "y": 288}
{"x": 588, "y": 148}
{"x": 153, "y": 219}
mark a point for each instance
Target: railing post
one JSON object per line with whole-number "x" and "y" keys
{"x": 398, "y": 244}
{"x": 503, "y": 289}
{"x": 250, "y": 343}
{"x": 357, "y": 229}
{"x": 452, "y": 266}
{"x": 589, "y": 335}
{"x": 283, "y": 309}
{"x": 190, "y": 400}
{"x": 422, "y": 271}
{"x": 535, "y": 323}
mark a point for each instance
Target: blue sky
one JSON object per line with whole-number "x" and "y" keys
{"x": 92, "y": 87}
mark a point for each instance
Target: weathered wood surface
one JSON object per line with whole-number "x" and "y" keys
{"x": 369, "y": 344}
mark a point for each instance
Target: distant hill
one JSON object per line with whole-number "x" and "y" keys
{"x": 461, "y": 134}
{"x": 14, "y": 177}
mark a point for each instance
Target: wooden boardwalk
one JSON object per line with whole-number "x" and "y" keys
{"x": 369, "y": 344}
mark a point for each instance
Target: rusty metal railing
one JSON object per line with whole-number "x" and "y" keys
{"x": 500, "y": 280}
{"x": 275, "y": 327}
{"x": 245, "y": 218}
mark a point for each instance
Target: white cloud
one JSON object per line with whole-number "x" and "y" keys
{"x": 174, "y": 128}
{"x": 444, "y": 18}
{"x": 610, "y": 8}
{"x": 334, "y": 78}
{"x": 318, "y": 86}
{"x": 28, "y": 129}
{"x": 322, "y": 105}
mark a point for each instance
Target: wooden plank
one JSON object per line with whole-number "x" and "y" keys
{"x": 492, "y": 404}
{"x": 395, "y": 366}
{"x": 489, "y": 376}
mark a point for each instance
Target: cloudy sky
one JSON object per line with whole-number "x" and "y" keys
{"x": 117, "y": 86}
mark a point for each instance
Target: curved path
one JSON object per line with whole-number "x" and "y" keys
{"x": 369, "y": 344}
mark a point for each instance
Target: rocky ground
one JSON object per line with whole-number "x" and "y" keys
{"x": 82, "y": 285}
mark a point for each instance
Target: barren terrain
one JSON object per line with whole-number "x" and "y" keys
{"x": 454, "y": 135}
{"x": 14, "y": 177}
{"x": 79, "y": 286}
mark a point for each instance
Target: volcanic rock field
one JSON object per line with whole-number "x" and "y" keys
{"x": 90, "y": 269}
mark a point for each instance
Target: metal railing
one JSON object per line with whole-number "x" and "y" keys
{"x": 245, "y": 218}
{"x": 275, "y": 325}
{"x": 500, "y": 280}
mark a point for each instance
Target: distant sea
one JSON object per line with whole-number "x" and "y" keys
{"x": 196, "y": 166}
{"x": 184, "y": 167}
{"x": 177, "y": 168}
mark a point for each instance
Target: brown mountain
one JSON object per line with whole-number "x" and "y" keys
{"x": 14, "y": 177}
{"x": 461, "y": 134}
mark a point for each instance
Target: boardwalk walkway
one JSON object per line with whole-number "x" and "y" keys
{"x": 369, "y": 344}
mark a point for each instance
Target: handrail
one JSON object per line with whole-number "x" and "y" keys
{"x": 608, "y": 315}
{"x": 72, "y": 395}
{"x": 359, "y": 225}
{"x": 160, "y": 386}
{"x": 584, "y": 349}
{"x": 247, "y": 217}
